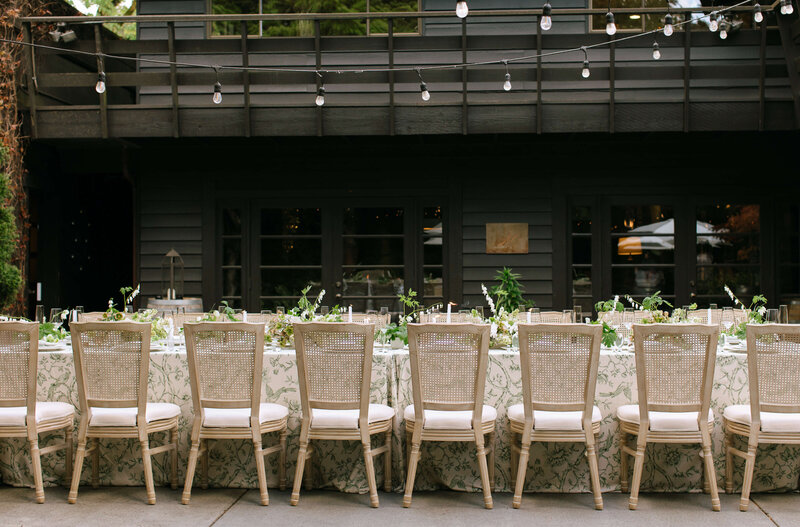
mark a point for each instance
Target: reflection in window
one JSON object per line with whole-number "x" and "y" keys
{"x": 643, "y": 250}
{"x": 231, "y": 256}
{"x": 433, "y": 254}
{"x": 634, "y": 22}
{"x": 582, "y": 258}
{"x": 728, "y": 250}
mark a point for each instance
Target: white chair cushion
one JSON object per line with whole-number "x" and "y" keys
{"x": 348, "y": 419}
{"x": 127, "y": 416}
{"x": 240, "y": 417}
{"x": 663, "y": 421}
{"x": 547, "y": 420}
{"x": 450, "y": 419}
{"x": 45, "y": 411}
{"x": 770, "y": 421}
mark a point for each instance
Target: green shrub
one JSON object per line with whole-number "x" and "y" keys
{"x": 10, "y": 275}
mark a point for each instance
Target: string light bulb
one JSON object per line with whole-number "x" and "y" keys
{"x": 656, "y": 51}
{"x": 462, "y": 10}
{"x": 217, "y": 98}
{"x": 611, "y": 27}
{"x": 713, "y": 25}
{"x": 507, "y": 83}
{"x": 423, "y": 88}
{"x": 320, "y": 100}
{"x": 546, "y": 21}
{"x": 786, "y": 7}
{"x": 758, "y": 16}
{"x": 585, "y": 71}
{"x": 100, "y": 87}
{"x": 723, "y": 31}
{"x": 668, "y": 28}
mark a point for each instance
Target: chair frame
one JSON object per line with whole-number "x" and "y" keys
{"x": 254, "y": 432}
{"x": 31, "y": 429}
{"x": 753, "y": 432}
{"x": 525, "y": 430}
{"x": 365, "y": 429}
{"x": 415, "y": 431}
{"x": 643, "y": 432}
{"x": 141, "y": 430}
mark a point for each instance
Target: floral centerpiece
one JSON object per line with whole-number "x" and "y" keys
{"x": 281, "y": 332}
{"x": 652, "y": 304}
{"x": 53, "y": 332}
{"x": 112, "y": 314}
{"x": 397, "y": 333}
{"x": 503, "y": 323}
{"x": 159, "y": 326}
{"x": 755, "y": 314}
{"x": 224, "y": 313}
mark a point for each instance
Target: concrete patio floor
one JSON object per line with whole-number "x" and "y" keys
{"x": 106, "y": 507}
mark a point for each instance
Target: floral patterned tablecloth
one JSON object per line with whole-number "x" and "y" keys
{"x": 554, "y": 467}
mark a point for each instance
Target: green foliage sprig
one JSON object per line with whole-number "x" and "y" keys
{"x": 613, "y": 304}
{"x": 223, "y": 313}
{"x": 649, "y": 303}
{"x": 610, "y": 336}
{"x": 509, "y": 293}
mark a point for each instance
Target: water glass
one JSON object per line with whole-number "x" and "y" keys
{"x": 569, "y": 316}
{"x": 39, "y": 314}
{"x": 479, "y": 310}
{"x": 266, "y": 311}
{"x": 280, "y": 310}
{"x": 324, "y": 310}
{"x": 783, "y": 314}
{"x": 55, "y": 316}
{"x": 712, "y": 306}
{"x": 772, "y": 316}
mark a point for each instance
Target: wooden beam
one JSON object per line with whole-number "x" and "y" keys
{"x": 464, "y": 107}
{"x": 98, "y": 43}
{"x": 761, "y": 76}
{"x": 173, "y": 80}
{"x": 611, "y": 86}
{"x": 30, "y": 77}
{"x": 246, "y": 81}
{"x": 539, "y": 111}
{"x": 390, "y": 45}
{"x": 318, "y": 62}
{"x": 687, "y": 67}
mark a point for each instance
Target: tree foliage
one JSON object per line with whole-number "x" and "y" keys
{"x": 10, "y": 275}
{"x": 509, "y": 292}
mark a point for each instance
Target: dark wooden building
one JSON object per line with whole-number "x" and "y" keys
{"x": 679, "y": 174}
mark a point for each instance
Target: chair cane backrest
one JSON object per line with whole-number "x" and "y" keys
{"x": 455, "y": 318}
{"x": 179, "y": 319}
{"x": 559, "y": 367}
{"x": 773, "y": 364}
{"x": 260, "y": 318}
{"x": 552, "y": 317}
{"x": 334, "y": 365}
{"x": 705, "y": 316}
{"x": 225, "y": 364}
{"x": 448, "y": 367}
{"x": 92, "y": 316}
{"x": 19, "y": 358}
{"x": 675, "y": 367}
{"x": 112, "y": 364}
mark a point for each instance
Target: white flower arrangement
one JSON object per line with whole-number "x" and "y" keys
{"x": 489, "y": 300}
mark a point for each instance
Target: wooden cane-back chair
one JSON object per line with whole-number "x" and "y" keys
{"x": 455, "y": 318}
{"x": 448, "y": 377}
{"x": 559, "y": 375}
{"x": 225, "y": 370}
{"x": 334, "y": 365}
{"x": 674, "y": 374}
{"x": 112, "y": 363}
{"x": 20, "y": 413}
{"x": 773, "y": 415}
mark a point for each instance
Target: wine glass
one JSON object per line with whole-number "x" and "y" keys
{"x": 569, "y": 316}
{"x": 628, "y": 318}
{"x": 39, "y": 314}
{"x": 55, "y": 317}
{"x": 727, "y": 320}
{"x": 536, "y": 315}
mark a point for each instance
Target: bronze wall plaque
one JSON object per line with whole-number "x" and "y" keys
{"x": 506, "y": 238}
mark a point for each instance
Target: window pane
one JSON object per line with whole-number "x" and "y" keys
{"x": 231, "y": 222}
{"x": 373, "y": 221}
{"x": 623, "y": 21}
{"x": 641, "y": 219}
{"x": 232, "y": 251}
{"x": 643, "y": 249}
{"x": 582, "y": 220}
{"x": 581, "y": 281}
{"x": 744, "y": 281}
{"x": 371, "y": 251}
{"x": 727, "y": 218}
{"x": 362, "y": 283}
{"x": 582, "y": 250}
{"x": 231, "y": 282}
{"x": 433, "y": 284}
{"x": 432, "y": 231}
{"x": 291, "y": 251}
{"x": 291, "y": 221}
{"x": 234, "y": 7}
{"x": 727, "y": 248}
{"x": 643, "y": 281}
{"x": 289, "y": 282}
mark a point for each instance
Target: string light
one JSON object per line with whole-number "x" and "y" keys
{"x": 585, "y": 71}
{"x": 786, "y": 7}
{"x": 217, "y": 97}
{"x": 656, "y": 51}
{"x": 507, "y": 83}
{"x": 758, "y": 16}
{"x": 668, "y": 29}
{"x": 547, "y": 20}
{"x": 712, "y": 22}
{"x": 423, "y": 88}
{"x": 100, "y": 87}
{"x": 462, "y": 10}
{"x": 320, "y": 100}
{"x": 611, "y": 27}
{"x": 723, "y": 29}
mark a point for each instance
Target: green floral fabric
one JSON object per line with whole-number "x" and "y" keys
{"x": 554, "y": 467}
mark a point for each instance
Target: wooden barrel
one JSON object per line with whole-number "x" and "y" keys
{"x": 191, "y": 305}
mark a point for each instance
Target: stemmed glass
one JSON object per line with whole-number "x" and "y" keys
{"x": 536, "y": 315}
{"x": 628, "y": 318}
{"x": 727, "y": 321}
{"x": 55, "y": 317}
{"x": 39, "y": 314}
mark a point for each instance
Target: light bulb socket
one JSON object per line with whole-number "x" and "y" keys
{"x": 609, "y": 18}
{"x": 757, "y": 8}
{"x": 508, "y": 77}
{"x": 101, "y": 77}
{"x": 547, "y": 9}
{"x": 655, "y": 46}
{"x": 217, "y": 87}
{"x": 668, "y": 20}
{"x": 321, "y": 91}
{"x": 423, "y": 87}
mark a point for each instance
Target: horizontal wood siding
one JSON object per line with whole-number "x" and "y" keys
{"x": 169, "y": 217}
{"x": 519, "y": 201}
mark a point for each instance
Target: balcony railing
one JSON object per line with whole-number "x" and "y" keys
{"x": 700, "y": 82}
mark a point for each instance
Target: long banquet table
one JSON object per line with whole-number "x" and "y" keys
{"x": 554, "y": 467}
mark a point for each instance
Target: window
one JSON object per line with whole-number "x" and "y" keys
{"x": 294, "y": 28}
{"x": 232, "y": 258}
{"x": 631, "y": 23}
{"x": 581, "y": 238}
